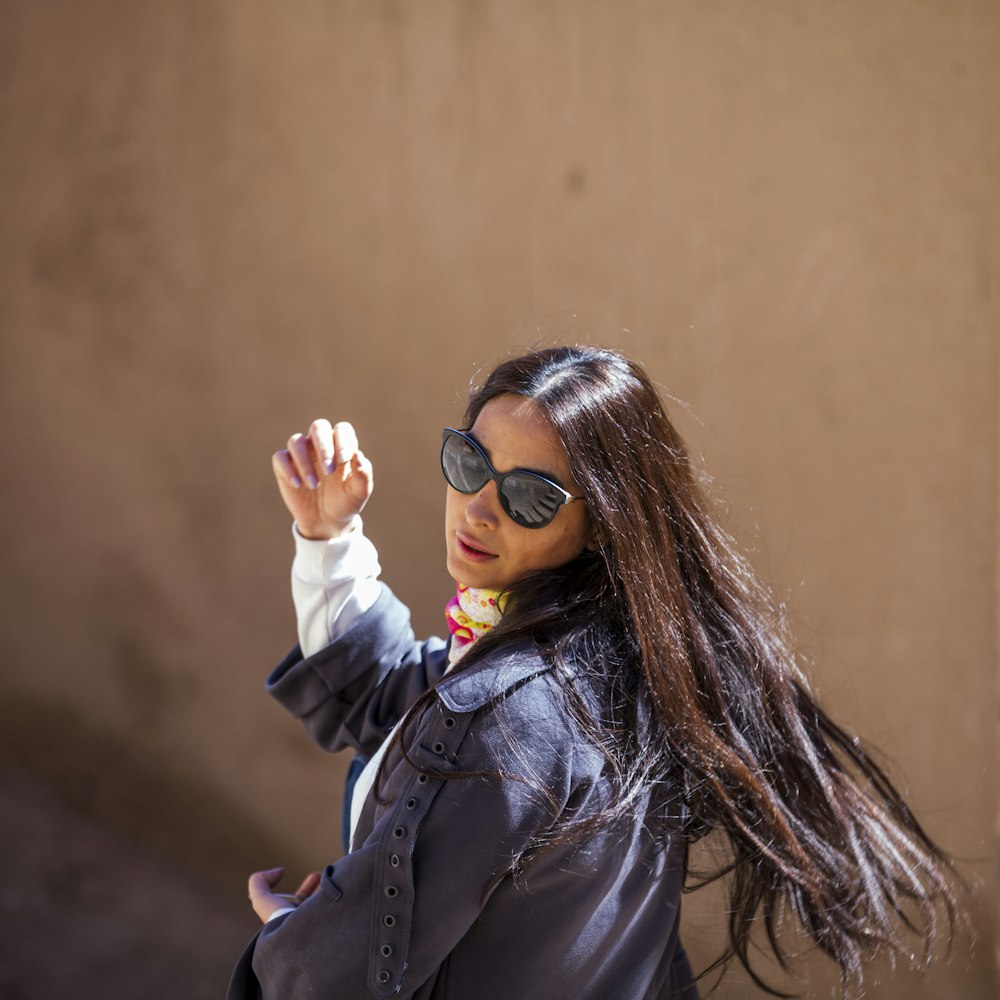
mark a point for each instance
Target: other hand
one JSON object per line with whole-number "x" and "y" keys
{"x": 266, "y": 901}
{"x": 324, "y": 478}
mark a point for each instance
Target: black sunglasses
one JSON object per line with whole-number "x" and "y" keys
{"x": 529, "y": 499}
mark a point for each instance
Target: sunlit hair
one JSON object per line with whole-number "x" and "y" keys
{"x": 810, "y": 817}
{"x": 703, "y": 710}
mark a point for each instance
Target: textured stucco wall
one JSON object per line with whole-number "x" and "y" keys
{"x": 221, "y": 220}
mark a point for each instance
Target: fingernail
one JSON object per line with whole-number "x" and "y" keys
{"x": 296, "y": 482}
{"x": 342, "y": 457}
{"x": 311, "y": 480}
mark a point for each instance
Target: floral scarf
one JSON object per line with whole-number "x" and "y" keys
{"x": 470, "y": 614}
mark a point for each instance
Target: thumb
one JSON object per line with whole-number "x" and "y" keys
{"x": 266, "y": 879}
{"x": 359, "y": 477}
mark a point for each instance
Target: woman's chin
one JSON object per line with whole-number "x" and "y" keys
{"x": 473, "y": 575}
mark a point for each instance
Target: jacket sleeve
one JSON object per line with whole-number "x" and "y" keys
{"x": 352, "y": 692}
{"x": 388, "y": 915}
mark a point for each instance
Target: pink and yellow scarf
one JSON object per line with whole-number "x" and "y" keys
{"x": 470, "y": 614}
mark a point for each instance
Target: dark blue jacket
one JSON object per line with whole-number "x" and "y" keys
{"x": 422, "y": 907}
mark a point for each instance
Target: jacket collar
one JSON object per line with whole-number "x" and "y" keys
{"x": 489, "y": 679}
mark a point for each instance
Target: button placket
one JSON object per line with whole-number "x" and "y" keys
{"x": 392, "y": 908}
{"x": 394, "y": 902}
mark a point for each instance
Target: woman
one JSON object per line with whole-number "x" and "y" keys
{"x": 615, "y": 686}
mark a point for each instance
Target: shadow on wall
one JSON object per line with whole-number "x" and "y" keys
{"x": 122, "y": 874}
{"x": 106, "y": 781}
{"x": 88, "y": 913}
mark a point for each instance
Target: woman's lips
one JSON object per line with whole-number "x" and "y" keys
{"x": 472, "y": 551}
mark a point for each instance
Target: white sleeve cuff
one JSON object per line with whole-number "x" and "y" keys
{"x": 280, "y": 913}
{"x": 334, "y": 582}
{"x": 330, "y": 561}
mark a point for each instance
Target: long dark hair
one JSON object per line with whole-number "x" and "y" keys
{"x": 708, "y": 699}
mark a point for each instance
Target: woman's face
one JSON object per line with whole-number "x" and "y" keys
{"x": 485, "y": 547}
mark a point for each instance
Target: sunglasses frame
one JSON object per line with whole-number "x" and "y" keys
{"x": 498, "y": 477}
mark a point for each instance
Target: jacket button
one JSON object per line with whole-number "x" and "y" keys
{"x": 422, "y": 779}
{"x": 391, "y": 891}
{"x": 438, "y": 748}
{"x": 399, "y": 833}
{"x": 394, "y": 860}
{"x": 389, "y": 920}
{"x": 384, "y": 977}
{"x": 449, "y": 723}
{"x": 386, "y": 950}
{"x": 411, "y": 803}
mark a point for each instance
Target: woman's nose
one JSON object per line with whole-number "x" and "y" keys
{"x": 484, "y": 507}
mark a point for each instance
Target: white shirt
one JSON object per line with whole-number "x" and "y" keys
{"x": 334, "y": 582}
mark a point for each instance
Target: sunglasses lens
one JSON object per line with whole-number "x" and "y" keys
{"x": 463, "y": 466}
{"x": 531, "y": 502}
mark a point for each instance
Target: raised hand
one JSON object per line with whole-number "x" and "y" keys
{"x": 324, "y": 478}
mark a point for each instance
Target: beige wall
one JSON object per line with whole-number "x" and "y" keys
{"x": 221, "y": 220}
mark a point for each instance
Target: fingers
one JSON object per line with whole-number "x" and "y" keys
{"x": 309, "y": 885}
{"x": 266, "y": 902}
{"x": 345, "y": 446}
{"x": 334, "y": 446}
{"x": 284, "y": 469}
{"x": 265, "y": 881}
{"x": 305, "y": 459}
{"x": 309, "y": 458}
{"x": 321, "y": 436}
